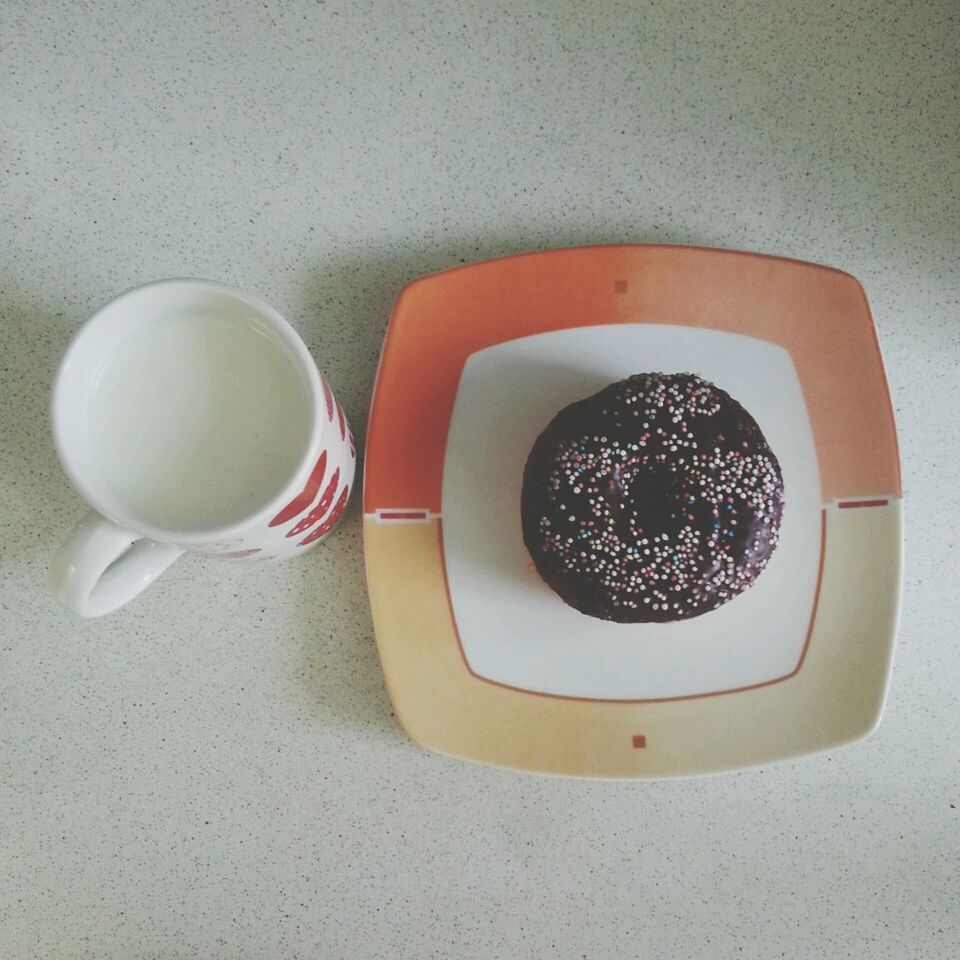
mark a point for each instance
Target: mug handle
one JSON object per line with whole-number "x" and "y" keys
{"x": 101, "y": 566}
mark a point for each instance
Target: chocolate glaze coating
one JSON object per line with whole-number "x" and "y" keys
{"x": 656, "y": 499}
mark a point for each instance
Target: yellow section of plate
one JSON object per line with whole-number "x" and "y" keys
{"x": 836, "y": 696}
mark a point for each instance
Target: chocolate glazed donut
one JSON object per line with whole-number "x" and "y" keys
{"x": 656, "y": 499}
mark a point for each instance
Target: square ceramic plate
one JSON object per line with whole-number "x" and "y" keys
{"x": 482, "y": 660}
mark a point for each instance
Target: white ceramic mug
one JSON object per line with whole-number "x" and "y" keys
{"x": 191, "y": 416}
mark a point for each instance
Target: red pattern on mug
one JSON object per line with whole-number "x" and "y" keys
{"x": 303, "y": 499}
{"x": 330, "y": 522}
{"x": 328, "y": 396}
{"x": 319, "y": 511}
{"x": 343, "y": 422}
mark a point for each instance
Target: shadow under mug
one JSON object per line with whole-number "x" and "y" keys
{"x": 191, "y": 417}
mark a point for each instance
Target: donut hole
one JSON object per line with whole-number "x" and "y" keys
{"x": 650, "y": 504}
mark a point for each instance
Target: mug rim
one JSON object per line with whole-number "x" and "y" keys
{"x": 111, "y": 508}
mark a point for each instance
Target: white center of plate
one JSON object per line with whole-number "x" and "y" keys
{"x": 513, "y": 628}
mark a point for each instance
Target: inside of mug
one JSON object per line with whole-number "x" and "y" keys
{"x": 182, "y": 407}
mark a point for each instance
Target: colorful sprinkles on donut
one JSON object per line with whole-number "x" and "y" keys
{"x": 656, "y": 499}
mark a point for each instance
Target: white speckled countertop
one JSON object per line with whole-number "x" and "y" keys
{"x": 214, "y": 771}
